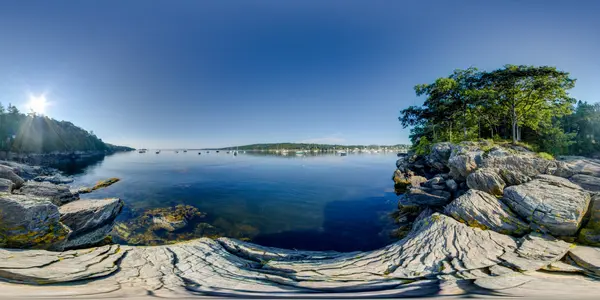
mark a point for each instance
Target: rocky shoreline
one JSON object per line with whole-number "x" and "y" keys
{"x": 476, "y": 218}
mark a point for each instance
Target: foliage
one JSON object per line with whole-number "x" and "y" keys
{"x": 545, "y": 155}
{"x": 523, "y": 104}
{"x": 423, "y": 147}
{"x": 33, "y": 133}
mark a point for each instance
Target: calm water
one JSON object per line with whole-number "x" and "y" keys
{"x": 323, "y": 202}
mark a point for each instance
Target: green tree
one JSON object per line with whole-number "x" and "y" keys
{"x": 529, "y": 95}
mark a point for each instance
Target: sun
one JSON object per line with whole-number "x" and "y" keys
{"x": 37, "y": 104}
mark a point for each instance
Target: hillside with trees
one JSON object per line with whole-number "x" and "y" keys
{"x": 31, "y": 133}
{"x": 520, "y": 104}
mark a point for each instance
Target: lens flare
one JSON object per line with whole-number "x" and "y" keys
{"x": 37, "y": 104}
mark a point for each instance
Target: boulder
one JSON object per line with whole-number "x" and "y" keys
{"x": 512, "y": 177}
{"x": 439, "y": 155}
{"x": 463, "y": 160}
{"x": 30, "y": 222}
{"x": 581, "y": 165}
{"x": 451, "y": 185}
{"x": 525, "y": 163}
{"x": 426, "y": 197}
{"x": 482, "y": 210}
{"x": 587, "y": 182}
{"x": 88, "y": 214}
{"x": 58, "y": 194}
{"x": 438, "y": 180}
{"x": 89, "y": 238}
{"x": 6, "y": 186}
{"x": 8, "y": 173}
{"x": 403, "y": 180}
{"x": 486, "y": 180}
{"x": 551, "y": 204}
{"x": 590, "y": 233}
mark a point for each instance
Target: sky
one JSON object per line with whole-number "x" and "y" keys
{"x": 165, "y": 74}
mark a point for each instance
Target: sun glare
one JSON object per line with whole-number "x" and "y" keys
{"x": 37, "y": 104}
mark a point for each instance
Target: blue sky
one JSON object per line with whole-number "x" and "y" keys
{"x": 219, "y": 73}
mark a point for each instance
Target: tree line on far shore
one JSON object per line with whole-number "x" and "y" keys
{"x": 31, "y": 133}
{"x": 521, "y": 104}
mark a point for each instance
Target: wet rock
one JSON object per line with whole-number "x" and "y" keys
{"x": 56, "y": 179}
{"x": 587, "y": 182}
{"x": 512, "y": 177}
{"x": 85, "y": 215}
{"x": 550, "y": 204}
{"x": 145, "y": 229}
{"x": 486, "y": 180}
{"x": 8, "y": 173}
{"x": 6, "y": 186}
{"x": 590, "y": 234}
{"x": 30, "y": 222}
{"x": 482, "y": 210}
{"x": 426, "y": 197}
{"x": 58, "y": 194}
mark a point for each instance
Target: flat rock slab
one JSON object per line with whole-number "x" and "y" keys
{"x": 587, "y": 258}
{"x": 551, "y": 204}
{"x": 437, "y": 247}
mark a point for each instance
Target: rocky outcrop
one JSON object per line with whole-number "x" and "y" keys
{"x": 587, "y": 257}
{"x": 551, "y": 204}
{"x": 463, "y": 161}
{"x": 512, "y": 177}
{"x": 486, "y": 180}
{"x": 482, "y": 210}
{"x": 6, "y": 186}
{"x": 439, "y": 156}
{"x": 30, "y": 222}
{"x": 58, "y": 194}
{"x": 8, "y": 173}
{"x": 404, "y": 180}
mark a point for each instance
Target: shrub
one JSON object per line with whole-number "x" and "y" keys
{"x": 545, "y": 155}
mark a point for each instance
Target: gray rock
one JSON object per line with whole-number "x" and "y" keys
{"x": 58, "y": 194}
{"x": 551, "y": 204}
{"x": 525, "y": 163}
{"x": 461, "y": 164}
{"x": 56, "y": 179}
{"x": 89, "y": 238}
{"x": 536, "y": 251}
{"x": 433, "y": 181}
{"x": 581, "y": 165}
{"x": 439, "y": 155}
{"x": 482, "y": 210}
{"x": 486, "y": 180}
{"x": 30, "y": 222}
{"x": 451, "y": 185}
{"x": 587, "y": 258}
{"x": 425, "y": 196}
{"x": 587, "y": 182}
{"x": 6, "y": 186}
{"x": 590, "y": 233}
{"x": 85, "y": 215}
{"x": 512, "y": 177}
{"x": 8, "y": 173}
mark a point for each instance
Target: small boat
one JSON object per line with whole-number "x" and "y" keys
{"x": 142, "y": 151}
{"x": 217, "y": 151}
{"x": 184, "y": 151}
{"x": 176, "y": 151}
{"x": 343, "y": 153}
{"x": 207, "y": 151}
{"x": 199, "y": 153}
{"x": 157, "y": 152}
{"x": 228, "y": 152}
{"x": 234, "y": 153}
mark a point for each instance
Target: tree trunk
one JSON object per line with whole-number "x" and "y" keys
{"x": 514, "y": 125}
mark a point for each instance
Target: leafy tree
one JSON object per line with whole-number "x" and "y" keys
{"x": 529, "y": 95}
